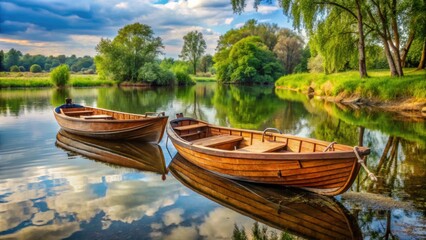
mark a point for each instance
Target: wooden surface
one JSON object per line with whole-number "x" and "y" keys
{"x": 301, "y": 213}
{"x": 100, "y": 116}
{"x": 263, "y": 147}
{"x": 122, "y": 126}
{"x": 217, "y": 140}
{"x": 190, "y": 127}
{"x": 295, "y": 161}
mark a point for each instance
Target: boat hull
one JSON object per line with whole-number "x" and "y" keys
{"x": 327, "y": 173}
{"x": 150, "y": 129}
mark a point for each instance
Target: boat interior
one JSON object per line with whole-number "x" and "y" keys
{"x": 269, "y": 141}
{"x": 88, "y": 113}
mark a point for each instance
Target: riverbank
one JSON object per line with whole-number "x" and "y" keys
{"x": 34, "y": 80}
{"x": 379, "y": 90}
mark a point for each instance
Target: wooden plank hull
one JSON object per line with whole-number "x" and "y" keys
{"x": 138, "y": 155}
{"x": 125, "y": 127}
{"x": 301, "y": 213}
{"x": 328, "y": 173}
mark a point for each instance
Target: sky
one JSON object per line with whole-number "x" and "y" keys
{"x": 54, "y": 27}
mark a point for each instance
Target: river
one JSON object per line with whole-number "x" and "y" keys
{"x": 50, "y": 192}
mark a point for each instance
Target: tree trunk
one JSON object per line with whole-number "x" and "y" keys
{"x": 195, "y": 67}
{"x": 423, "y": 57}
{"x": 407, "y": 48}
{"x": 361, "y": 44}
{"x": 390, "y": 59}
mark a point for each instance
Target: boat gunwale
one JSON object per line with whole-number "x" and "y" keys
{"x": 63, "y": 116}
{"x": 305, "y": 156}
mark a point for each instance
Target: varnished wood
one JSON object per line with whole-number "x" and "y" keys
{"x": 281, "y": 159}
{"x": 111, "y": 125}
{"x": 301, "y": 213}
{"x": 138, "y": 155}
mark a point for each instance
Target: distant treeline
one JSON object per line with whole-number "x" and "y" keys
{"x": 14, "y": 60}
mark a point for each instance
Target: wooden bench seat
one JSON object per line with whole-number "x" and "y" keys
{"x": 77, "y": 112}
{"x": 263, "y": 147}
{"x": 217, "y": 140}
{"x": 100, "y": 116}
{"x": 190, "y": 127}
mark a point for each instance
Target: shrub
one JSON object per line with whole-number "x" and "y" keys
{"x": 183, "y": 78}
{"x": 60, "y": 75}
{"x": 154, "y": 74}
{"x": 22, "y": 69}
{"x": 14, "y": 68}
{"x": 35, "y": 68}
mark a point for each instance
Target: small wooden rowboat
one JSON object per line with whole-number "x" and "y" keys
{"x": 266, "y": 157}
{"x": 137, "y": 155}
{"x": 301, "y": 213}
{"x": 110, "y": 125}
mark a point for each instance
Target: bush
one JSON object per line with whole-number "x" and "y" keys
{"x": 60, "y": 75}
{"x": 183, "y": 78}
{"x": 22, "y": 69}
{"x": 14, "y": 68}
{"x": 154, "y": 74}
{"x": 35, "y": 68}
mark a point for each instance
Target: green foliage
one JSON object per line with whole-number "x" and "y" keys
{"x": 35, "y": 68}
{"x": 183, "y": 78}
{"x": 60, "y": 75}
{"x": 378, "y": 86}
{"x": 12, "y": 58}
{"x": 258, "y": 233}
{"x": 239, "y": 234}
{"x": 22, "y": 69}
{"x": 154, "y": 74}
{"x": 206, "y": 63}
{"x": 193, "y": 48}
{"x": 2, "y": 61}
{"x": 133, "y": 47}
{"x": 14, "y": 68}
{"x": 289, "y": 49}
{"x": 248, "y": 61}
{"x": 181, "y": 66}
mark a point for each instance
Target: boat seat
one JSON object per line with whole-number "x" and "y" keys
{"x": 101, "y": 116}
{"x": 190, "y": 127}
{"x": 263, "y": 147}
{"x": 217, "y": 140}
{"x": 77, "y": 112}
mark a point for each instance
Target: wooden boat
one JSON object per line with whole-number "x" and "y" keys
{"x": 138, "y": 155}
{"x": 110, "y": 125}
{"x": 267, "y": 157}
{"x": 301, "y": 213}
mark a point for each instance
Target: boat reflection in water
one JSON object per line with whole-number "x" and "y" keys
{"x": 138, "y": 155}
{"x": 295, "y": 211}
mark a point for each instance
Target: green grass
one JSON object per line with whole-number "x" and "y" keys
{"x": 203, "y": 79}
{"x": 28, "y": 80}
{"x": 379, "y": 85}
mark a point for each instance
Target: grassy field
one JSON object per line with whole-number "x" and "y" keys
{"x": 378, "y": 86}
{"x": 12, "y": 80}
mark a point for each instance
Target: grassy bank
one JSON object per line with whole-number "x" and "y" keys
{"x": 16, "y": 80}
{"x": 203, "y": 79}
{"x": 379, "y": 86}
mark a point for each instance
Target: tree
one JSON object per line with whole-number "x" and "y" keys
{"x": 14, "y": 68}
{"x": 248, "y": 61}
{"x": 122, "y": 57}
{"x": 35, "y": 68}
{"x": 206, "y": 62}
{"x": 193, "y": 48}
{"x": 1, "y": 61}
{"x": 308, "y": 13}
{"x": 12, "y": 58}
{"x": 288, "y": 50}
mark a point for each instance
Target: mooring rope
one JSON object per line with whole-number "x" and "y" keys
{"x": 362, "y": 162}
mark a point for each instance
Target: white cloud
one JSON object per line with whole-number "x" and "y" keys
{"x": 122, "y": 5}
{"x": 173, "y": 217}
{"x": 228, "y": 20}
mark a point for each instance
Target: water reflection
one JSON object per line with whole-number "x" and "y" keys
{"x": 137, "y": 155}
{"x": 46, "y": 191}
{"x": 301, "y": 213}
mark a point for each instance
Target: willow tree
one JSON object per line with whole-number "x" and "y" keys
{"x": 193, "y": 48}
{"x": 307, "y": 13}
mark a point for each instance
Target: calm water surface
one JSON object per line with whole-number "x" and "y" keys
{"x": 50, "y": 192}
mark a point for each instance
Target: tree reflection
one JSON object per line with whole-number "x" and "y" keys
{"x": 259, "y": 233}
